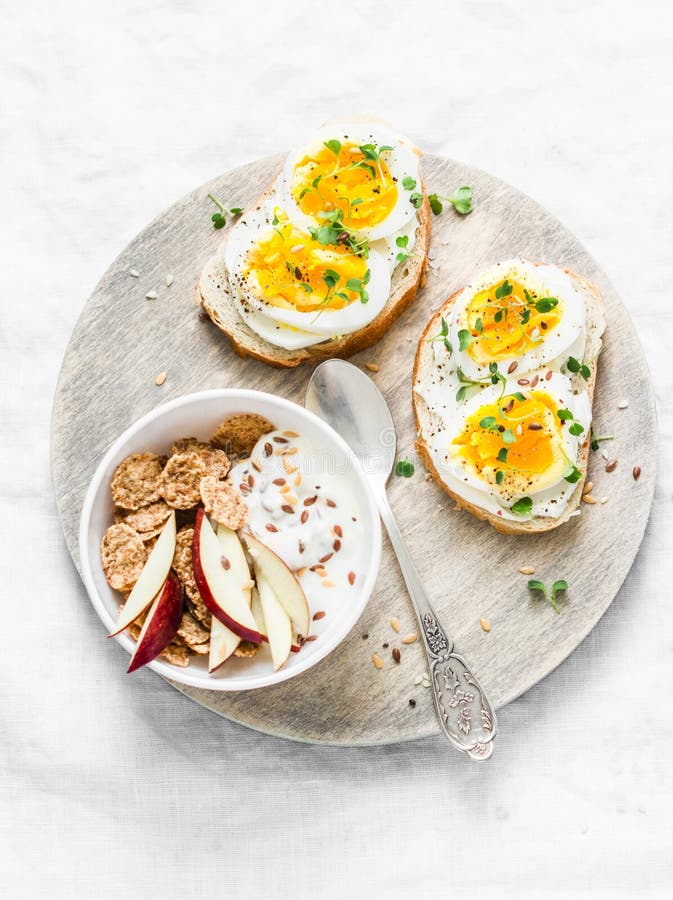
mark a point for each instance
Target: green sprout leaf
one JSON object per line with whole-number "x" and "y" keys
{"x": 404, "y": 468}
{"x": 408, "y": 183}
{"x": 464, "y": 338}
{"x": 504, "y": 290}
{"x": 576, "y": 429}
{"x": 502, "y": 454}
{"x": 564, "y": 414}
{"x": 573, "y": 365}
{"x": 416, "y": 199}
{"x": 333, "y": 146}
{"x": 522, "y": 507}
{"x": 435, "y": 204}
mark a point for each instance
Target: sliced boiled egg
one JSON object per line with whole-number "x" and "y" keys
{"x": 294, "y": 290}
{"x": 520, "y": 317}
{"x": 362, "y": 175}
{"x": 506, "y": 444}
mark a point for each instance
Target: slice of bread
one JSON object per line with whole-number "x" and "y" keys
{"x": 217, "y": 302}
{"x": 427, "y": 421}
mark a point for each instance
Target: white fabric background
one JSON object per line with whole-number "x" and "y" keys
{"x": 115, "y": 786}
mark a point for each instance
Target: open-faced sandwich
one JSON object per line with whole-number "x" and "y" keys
{"x": 330, "y": 255}
{"x": 503, "y": 388}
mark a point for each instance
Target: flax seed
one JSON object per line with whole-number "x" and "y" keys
{"x": 513, "y": 366}
{"x": 319, "y": 615}
{"x": 636, "y": 473}
{"x": 351, "y": 578}
{"x": 611, "y": 465}
{"x": 271, "y": 527}
{"x": 330, "y": 503}
{"x": 304, "y": 517}
{"x": 287, "y": 509}
{"x": 397, "y": 656}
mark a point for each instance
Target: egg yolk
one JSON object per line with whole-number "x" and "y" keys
{"x": 508, "y": 320}
{"x": 292, "y": 271}
{"x": 349, "y": 180}
{"x": 519, "y": 438}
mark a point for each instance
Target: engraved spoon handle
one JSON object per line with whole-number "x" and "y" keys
{"x": 463, "y": 710}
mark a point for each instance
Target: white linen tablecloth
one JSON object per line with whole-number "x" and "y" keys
{"x": 113, "y": 786}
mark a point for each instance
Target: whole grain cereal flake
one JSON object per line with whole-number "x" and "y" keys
{"x": 246, "y": 650}
{"x": 123, "y": 556}
{"x": 216, "y": 461}
{"x": 148, "y": 521}
{"x": 180, "y": 479}
{"x": 135, "y": 482}
{"x": 238, "y": 434}
{"x": 224, "y": 502}
{"x": 192, "y": 632}
{"x": 182, "y": 566}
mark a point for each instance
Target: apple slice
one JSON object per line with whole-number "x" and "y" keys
{"x": 161, "y": 624}
{"x": 223, "y": 641}
{"x": 282, "y": 580}
{"x": 224, "y": 594}
{"x": 152, "y": 577}
{"x": 278, "y": 625}
{"x": 258, "y": 613}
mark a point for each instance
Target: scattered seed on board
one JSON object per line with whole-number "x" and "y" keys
{"x": 527, "y": 570}
{"x": 169, "y": 280}
{"x": 604, "y": 454}
{"x": 410, "y": 638}
{"x": 151, "y": 295}
{"x": 636, "y": 473}
{"x": 623, "y": 404}
{"x": 611, "y": 465}
{"x": 134, "y": 273}
{"x": 418, "y": 679}
{"x": 376, "y": 659}
{"x": 588, "y": 487}
{"x": 395, "y": 625}
{"x": 412, "y": 703}
{"x": 161, "y": 377}
{"x": 372, "y": 367}
{"x": 587, "y": 498}
{"x": 397, "y": 656}
{"x": 604, "y": 499}
{"x": 485, "y": 624}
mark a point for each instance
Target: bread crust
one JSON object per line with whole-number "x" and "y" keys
{"x": 408, "y": 277}
{"x": 539, "y": 524}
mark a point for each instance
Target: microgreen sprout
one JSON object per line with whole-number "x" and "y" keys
{"x": 219, "y": 219}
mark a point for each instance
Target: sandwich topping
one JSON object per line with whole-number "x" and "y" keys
{"x": 315, "y": 260}
{"x": 506, "y": 394}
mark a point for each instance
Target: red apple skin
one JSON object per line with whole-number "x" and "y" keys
{"x": 246, "y": 634}
{"x": 163, "y": 626}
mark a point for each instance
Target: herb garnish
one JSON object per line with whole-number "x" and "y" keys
{"x": 333, "y": 232}
{"x": 404, "y": 468}
{"x": 522, "y": 506}
{"x": 493, "y": 378}
{"x": 597, "y": 439}
{"x": 408, "y": 183}
{"x": 460, "y": 199}
{"x": 219, "y": 219}
{"x": 575, "y": 366}
{"x": 442, "y": 336}
{"x": 556, "y": 589}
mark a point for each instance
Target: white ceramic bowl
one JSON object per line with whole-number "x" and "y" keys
{"x": 199, "y": 415}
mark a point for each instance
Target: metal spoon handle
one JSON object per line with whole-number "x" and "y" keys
{"x": 464, "y": 713}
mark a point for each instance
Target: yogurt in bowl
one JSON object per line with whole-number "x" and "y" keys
{"x": 308, "y": 502}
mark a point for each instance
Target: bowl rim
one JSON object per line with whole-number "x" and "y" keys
{"x": 323, "y": 648}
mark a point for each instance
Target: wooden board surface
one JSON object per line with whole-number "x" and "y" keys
{"x": 122, "y": 341}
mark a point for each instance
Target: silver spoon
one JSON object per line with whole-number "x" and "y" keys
{"x": 350, "y": 402}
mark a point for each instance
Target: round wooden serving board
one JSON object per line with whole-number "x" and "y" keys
{"x": 122, "y": 341}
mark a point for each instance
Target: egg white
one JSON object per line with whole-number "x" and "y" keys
{"x": 566, "y": 339}
{"x": 402, "y": 161}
